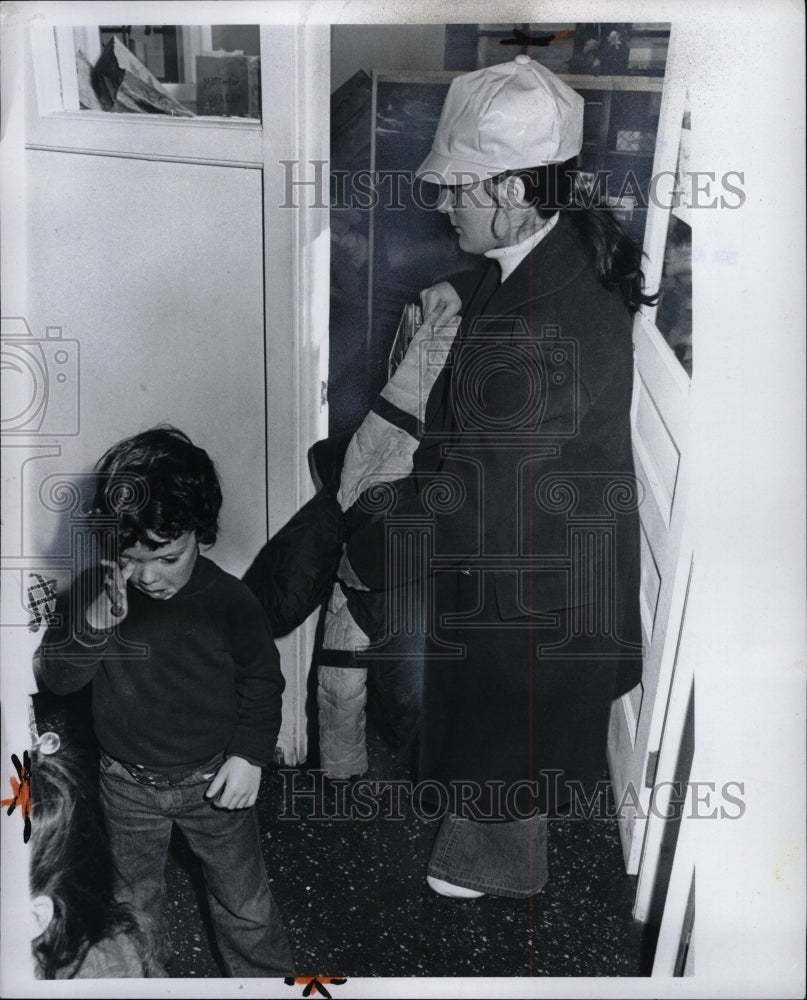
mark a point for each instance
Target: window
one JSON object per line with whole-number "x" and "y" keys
{"x": 674, "y": 313}
{"x": 179, "y": 70}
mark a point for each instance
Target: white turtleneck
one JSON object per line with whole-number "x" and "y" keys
{"x": 510, "y": 257}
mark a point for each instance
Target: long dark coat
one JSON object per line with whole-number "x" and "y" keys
{"x": 524, "y": 491}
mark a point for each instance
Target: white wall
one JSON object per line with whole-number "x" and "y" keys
{"x": 154, "y": 273}
{"x": 156, "y": 270}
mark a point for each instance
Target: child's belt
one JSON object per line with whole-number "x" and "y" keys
{"x": 169, "y": 776}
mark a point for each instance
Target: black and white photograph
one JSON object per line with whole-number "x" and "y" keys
{"x": 403, "y": 499}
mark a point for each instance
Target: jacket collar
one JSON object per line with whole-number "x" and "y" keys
{"x": 554, "y": 263}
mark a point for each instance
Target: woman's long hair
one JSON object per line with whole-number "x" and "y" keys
{"x": 617, "y": 259}
{"x": 71, "y": 862}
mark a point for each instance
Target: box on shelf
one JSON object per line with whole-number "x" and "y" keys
{"x": 228, "y": 84}
{"x": 635, "y": 141}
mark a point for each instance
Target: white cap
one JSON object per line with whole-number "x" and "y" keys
{"x": 505, "y": 117}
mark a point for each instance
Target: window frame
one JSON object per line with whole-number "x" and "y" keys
{"x": 54, "y": 120}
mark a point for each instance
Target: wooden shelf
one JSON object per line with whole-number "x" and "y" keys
{"x": 580, "y": 81}
{"x": 636, "y": 154}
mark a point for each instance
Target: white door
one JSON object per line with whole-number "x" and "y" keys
{"x": 185, "y": 262}
{"x": 661, "y": 423}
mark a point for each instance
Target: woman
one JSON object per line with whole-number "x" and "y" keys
{"x": 523, "y": 484}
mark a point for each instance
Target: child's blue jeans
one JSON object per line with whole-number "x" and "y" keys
{"x": 140, "y": 816}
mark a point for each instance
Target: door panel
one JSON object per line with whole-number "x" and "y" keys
{"x": 136, "y": 260}
{"x": 661, "y": 466}
{"x": 661, "y": 419}
{"x": 657, "y": 452}
{"x": 650, "y": 587}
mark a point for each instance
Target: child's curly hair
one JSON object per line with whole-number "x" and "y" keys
{"x": 158, "y": 482}
{"x": 71, "y": 862}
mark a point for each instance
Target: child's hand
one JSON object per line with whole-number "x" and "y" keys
{"x": 112, "y": 604}
{"x": 235, "y": 785}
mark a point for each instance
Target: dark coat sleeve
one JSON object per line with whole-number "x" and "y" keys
{"x": 293, "y": 573}
{"x": 259, "y": 683}
{"x": 71, "y": 651}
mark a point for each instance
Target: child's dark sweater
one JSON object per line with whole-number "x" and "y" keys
{"x": 178, "y": 680}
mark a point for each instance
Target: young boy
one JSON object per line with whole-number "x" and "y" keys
{"x": 186, "y": 691}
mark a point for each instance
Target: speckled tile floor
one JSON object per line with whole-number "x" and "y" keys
{"x": 355, "y": 900}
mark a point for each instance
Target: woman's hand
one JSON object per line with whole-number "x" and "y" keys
{"x": 440, "y": 303}
{"x": 112, "y": 604}
{"x": 235, "y": 785}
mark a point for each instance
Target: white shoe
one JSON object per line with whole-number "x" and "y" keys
{"x": 449, "y": 889}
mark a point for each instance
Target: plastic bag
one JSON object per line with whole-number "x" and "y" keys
{"x": 123, "y": 83}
